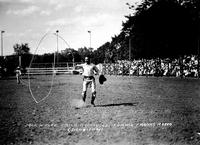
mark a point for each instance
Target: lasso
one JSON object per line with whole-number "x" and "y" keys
{"x": 54, "y": 72}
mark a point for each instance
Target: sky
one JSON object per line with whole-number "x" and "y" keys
{"x": 36, "y": 21}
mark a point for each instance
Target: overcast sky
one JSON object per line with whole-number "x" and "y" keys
{"x": 27, "y": 21}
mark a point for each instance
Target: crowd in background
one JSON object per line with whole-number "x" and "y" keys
{"x": 184, "y": 67}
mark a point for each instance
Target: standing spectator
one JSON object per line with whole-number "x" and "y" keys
{"x": 18, "y": 74}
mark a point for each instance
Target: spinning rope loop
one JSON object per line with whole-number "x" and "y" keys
{"x": 53, "y": 76}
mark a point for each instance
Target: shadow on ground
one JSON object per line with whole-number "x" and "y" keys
{"x": 120, "y": 104}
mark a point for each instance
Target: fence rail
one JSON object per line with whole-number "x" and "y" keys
{"x": 49, "y": 71}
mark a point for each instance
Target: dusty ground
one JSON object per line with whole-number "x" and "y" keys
{"x": 129, "y": 111}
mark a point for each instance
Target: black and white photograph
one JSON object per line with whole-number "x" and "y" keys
{"x": 99, "y": 72}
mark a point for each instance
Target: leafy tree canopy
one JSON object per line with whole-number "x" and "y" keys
{"x": 21, "y": 49}
{"x": 161, "y": 28}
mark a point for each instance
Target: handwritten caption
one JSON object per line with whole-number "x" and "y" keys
{"x": 97, "y": 127}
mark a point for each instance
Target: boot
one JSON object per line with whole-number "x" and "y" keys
{"x": 84, "y": 96}
{"x": 93, "y": 98}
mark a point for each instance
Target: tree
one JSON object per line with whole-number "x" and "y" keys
{"x": 83, "y": 52}
{"x": 70, "y": 54}
{"x": 161, "y": 28}
{"x": 100, "y": 53}
{"x": 21, "y": 50}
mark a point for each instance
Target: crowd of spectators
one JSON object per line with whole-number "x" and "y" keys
{"x": 179, "y": 67}
{"x": 187, "y": 66}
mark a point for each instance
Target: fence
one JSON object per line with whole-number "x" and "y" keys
{"x": 50, "y": 68}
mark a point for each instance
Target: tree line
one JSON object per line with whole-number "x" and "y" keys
{"x": 159, "y": 28}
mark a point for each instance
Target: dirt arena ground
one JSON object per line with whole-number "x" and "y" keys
{"x": 129, "y": 111}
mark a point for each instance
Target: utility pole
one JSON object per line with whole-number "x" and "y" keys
{"x": 90, "y": 37}
{"x": 198, "y": 58}
{"x": 198, "y": 45}
{"x": 129, "y": 55}
{"x": 57, "y": 44}
{"x": 2, "y": 42}
{"x": 130, "y": 49}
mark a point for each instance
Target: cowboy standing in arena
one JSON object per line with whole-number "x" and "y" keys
{"x": 89, "y": 70}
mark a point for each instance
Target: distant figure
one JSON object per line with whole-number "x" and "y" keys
{"x": 88, "y": 79}
{"x": 18, "y": 74}
{"x": 1, "y": 72}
